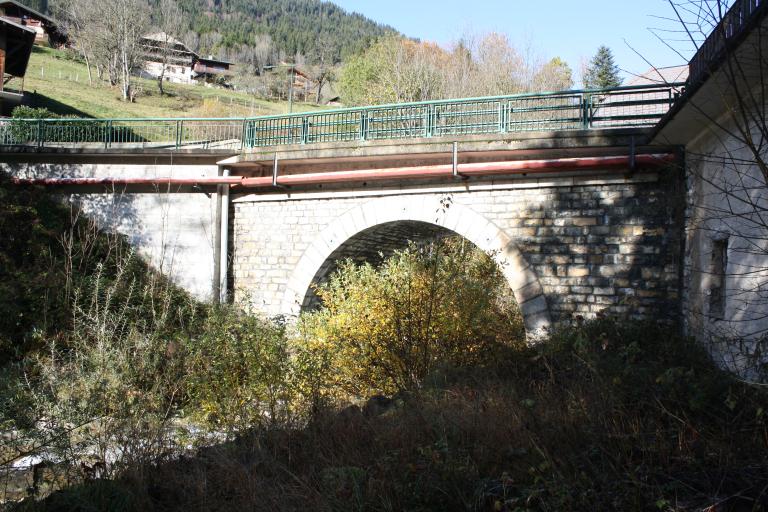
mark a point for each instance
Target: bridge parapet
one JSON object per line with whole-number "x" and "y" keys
{"x": 619, "y": 107}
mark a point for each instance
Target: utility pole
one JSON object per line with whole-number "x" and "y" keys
{"x": 291, "y": 77}
{"x": 290, "y": 88}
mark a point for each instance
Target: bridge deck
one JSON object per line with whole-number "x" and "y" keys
{"x": 619, "y": 107}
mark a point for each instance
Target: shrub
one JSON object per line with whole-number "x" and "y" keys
{"x": 106, "y": 390}
{"x": 59, "y": 128}
{"x": 382, "y": 330}
{"x": 547, "y": 428}
{"x": 23, "y": 132}
{"x": 238, "y": 371}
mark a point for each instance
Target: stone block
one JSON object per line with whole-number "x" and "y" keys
{"x": 578, "y": 271}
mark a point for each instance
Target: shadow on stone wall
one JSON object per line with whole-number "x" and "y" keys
{"x": 603, "y": 248}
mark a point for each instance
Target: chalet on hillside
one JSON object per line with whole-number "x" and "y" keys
{"x": 179, "y": 59}
{"x": 182, "y": 65}
{"x": 16, "y": 43}
{"x": 210, "y": 69}
{"x": 303, "y": 85}
{"x": 46, "y": 30}
{"x": 300, "y": 83}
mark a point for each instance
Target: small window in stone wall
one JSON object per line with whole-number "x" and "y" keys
{"x": 717, "y": 288}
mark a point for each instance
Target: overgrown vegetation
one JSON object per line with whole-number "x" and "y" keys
{"x": 49, "y": 252}
{"x": 383, "y": 329}
{"x": 411, "y": 390}
{"x": 603, "y": 417}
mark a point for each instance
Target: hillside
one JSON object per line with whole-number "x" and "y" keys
{"x": 59, "y": 83}
{"x": 306, "y": 27}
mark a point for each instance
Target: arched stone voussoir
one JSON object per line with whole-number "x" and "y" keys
{"x": 458, "y": 218}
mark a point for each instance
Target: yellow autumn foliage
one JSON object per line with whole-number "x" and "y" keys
{"x": 383, "y": 329}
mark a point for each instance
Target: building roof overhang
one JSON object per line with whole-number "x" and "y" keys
{"x": 29, "y": 10}
{"x": 18, "y": 46}
{"x": 726, "y": 82}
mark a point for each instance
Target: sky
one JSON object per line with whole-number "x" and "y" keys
{"x": 569, "y": 29}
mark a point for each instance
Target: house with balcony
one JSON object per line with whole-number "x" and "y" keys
{"x": 211, "y": 70}
{"x": 168, "y": 57}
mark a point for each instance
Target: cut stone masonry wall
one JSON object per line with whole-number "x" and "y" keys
{"x": 608, "y": 245}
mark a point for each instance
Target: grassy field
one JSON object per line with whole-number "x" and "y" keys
{"x": 58, "y": 82}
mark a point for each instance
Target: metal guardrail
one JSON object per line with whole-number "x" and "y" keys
{"x": 620, "y": 107}
{"x": 207, "y": 133}
{"x": 733, "y": 24}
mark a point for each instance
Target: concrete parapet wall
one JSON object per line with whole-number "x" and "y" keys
{"x": 172, "y": 229}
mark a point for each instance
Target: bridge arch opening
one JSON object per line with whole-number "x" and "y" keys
{"x": 374, "y": 245}
{"x": 384, "y": 225}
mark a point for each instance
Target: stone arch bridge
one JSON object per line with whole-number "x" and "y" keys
{"x": 583, "y": 212}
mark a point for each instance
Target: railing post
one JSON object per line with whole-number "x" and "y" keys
{"x": 586, "y": 121}
{"x": 179, "y": 128}
{"x": 364, "y": 124}
{"x": 39, "y": 136}
{"x": 304, "y": 129}
{"x": 503, "y": 116}
{"x": 250, "y": 133}
{"x": 243, "y": 133}
{"x": 108, "y": 134}
{"x": 428, "y": 121}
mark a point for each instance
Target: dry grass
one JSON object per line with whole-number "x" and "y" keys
{"x": 604, "y": 417}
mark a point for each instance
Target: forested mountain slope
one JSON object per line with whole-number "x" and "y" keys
{"x": 296, "y": 26}
{"x": 306, "y": 27}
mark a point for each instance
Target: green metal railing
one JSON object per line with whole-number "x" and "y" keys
{"x": 208, "y": 133}
{"x": 620, "y": 107}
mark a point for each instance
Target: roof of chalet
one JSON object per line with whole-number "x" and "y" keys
{"x": 18, "y": 46}
{"x": 660, "y": 76}
{"x": 162, "y": 37}
{"x": 36, "y": 14}
{"x": 213, "y": 59}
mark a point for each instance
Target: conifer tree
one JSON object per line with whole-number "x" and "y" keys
{"x": 602, "y": 70}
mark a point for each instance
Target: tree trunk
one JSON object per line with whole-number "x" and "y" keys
{"x": 126, "y": 77}
{"x": 320, "y": 85}
{"x": 162, "y": 70}
{"x": 88, "y": 67}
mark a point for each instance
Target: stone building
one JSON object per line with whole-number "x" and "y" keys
{"x": 720, "y": 122}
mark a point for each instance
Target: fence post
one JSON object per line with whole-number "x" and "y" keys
{"x": 585, "y": 111}
{"x": 428, "y": 121}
